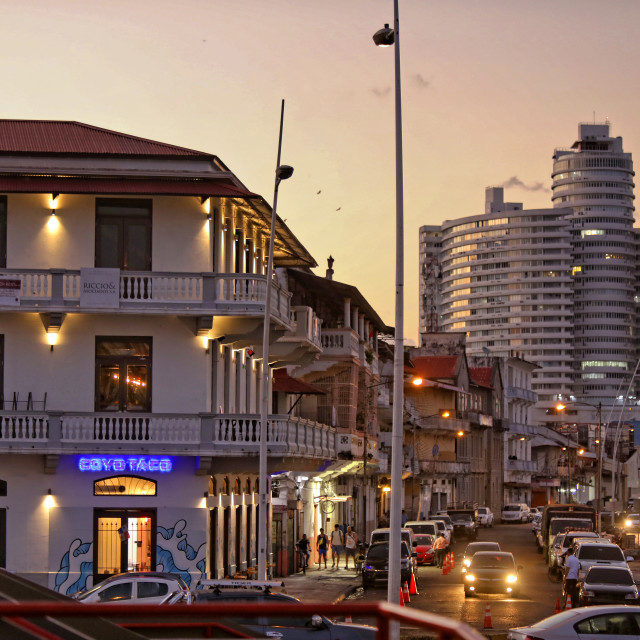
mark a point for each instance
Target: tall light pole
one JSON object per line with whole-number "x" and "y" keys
{"x": 282, "y": 173}
{"x": 561, "y": 407}
{"x": 384, "y": 38}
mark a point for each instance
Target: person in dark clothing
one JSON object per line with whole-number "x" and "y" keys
{"x": 304, "y": 548}
{"x": 321, "y": 545}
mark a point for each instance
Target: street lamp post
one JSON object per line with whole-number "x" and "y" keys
{"x": 282, "y": 173}
{"x": 386, "y": 37}
{"x": 561, "y": 407}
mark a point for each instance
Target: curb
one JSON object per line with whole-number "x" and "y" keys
{"x": 345, "y": 594}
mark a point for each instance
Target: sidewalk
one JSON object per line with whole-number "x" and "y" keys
{"x": 322, "y": 585}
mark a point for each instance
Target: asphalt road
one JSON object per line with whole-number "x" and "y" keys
{"x": 444, "y": 594}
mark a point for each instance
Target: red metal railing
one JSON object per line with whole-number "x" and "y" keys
{"x": 30, "y": 616}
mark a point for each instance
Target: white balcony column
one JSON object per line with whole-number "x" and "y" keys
{"x": 215, "y": 230}
{"x": 366, "y": 333}
{"x": 229, "y": 244}
{"x": 354, "y": 318}
{"x": 360, "y": 325}
{"x": 214, "y": 345}
{"x": 241, "y": 244}
{"x": 251, "y": 250}
{"x": 228, "y": 379}
{"x": 347, "y": 313}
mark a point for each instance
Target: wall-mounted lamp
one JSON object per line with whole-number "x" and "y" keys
{"x": 460, "y": 434}
{"x": 53, "y": 203}
{"x": 49, "y": 492}
{"x": 386, "y": 489}
{"x": 52, "y": 323}
{"x": 206, "y": 203}
{"x": 206, "y": 494}
{"x": 49, "y": 501}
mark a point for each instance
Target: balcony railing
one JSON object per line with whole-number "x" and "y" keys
{"x": 340, "y": 342}
{"x": 522, "y": 465}
{"x": 443, "y": 467}
{"x": 190, "y": 293}
{"x": 208, "y": 434}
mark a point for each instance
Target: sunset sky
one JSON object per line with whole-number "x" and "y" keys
{"x": 490, "y": 88}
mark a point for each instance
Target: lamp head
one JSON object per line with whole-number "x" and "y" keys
{"x": 384, "y": 37}
{"x": 284, "y": 172}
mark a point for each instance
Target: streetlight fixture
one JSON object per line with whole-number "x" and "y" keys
{"x": 561, "y": 407}
{"x": 283, "y": 172}
{"x": 383, "y": 38}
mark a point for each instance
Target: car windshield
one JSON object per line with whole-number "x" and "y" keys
{"x": 601, "y": 552}
{"x": 474, "y": 547}
{"x": 511, "y": 507}
{"x": 423, "y": 538}
{"x": 461, "y": 518}
{"x": 602, "y": 575}
{"x": 382, "y": 551}
{"x": 491, "y": 561}
{"x": 379, "y": 536}
{"x": 556, "y": 526}
{"x": 445, "y": 519}
{"x": 482, "y": 512}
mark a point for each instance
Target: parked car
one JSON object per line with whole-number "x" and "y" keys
{"x": 599, "y": 553}
{"x": 492, "y": 572}
{"x": 632, "y": 521}
{"x": 432, "y": 527}
{"x": 583, "y": 622}
{"x": 251, "y": 592}
{"x": 484, "y": 517}
{"x": 142, "y": 587}
{"x": 464, "y": 525}
{"x": 515, "y": 512}
{"x": 447, "y": 522}
{"x": 424, "y": 548}
{"x": 376, "y": 564}
{"x": 472, "y": 549}
{"x": 561, "y": 545}
{"x": 608, "y": 585}
{"x": 407, "y": 535}
{"x": 533, "y": 511}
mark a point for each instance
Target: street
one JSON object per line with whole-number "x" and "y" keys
{"x": 444, "y": 595}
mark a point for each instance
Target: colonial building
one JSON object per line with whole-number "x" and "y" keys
{"x": 132, "y": 298}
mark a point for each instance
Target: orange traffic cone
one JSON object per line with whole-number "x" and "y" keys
{"x": 447, "y": 565}
{"x": 405, "y": 592}
{"x": 558, "y": 606}
{"x": 348, "y": 620}
{"x": 401, "y": 598}
{"x": 487, "y": 617}
{"x": 413, "y": 587}
{"x": 568, "y": 605}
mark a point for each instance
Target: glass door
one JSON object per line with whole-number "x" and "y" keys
{"x": 124, "y": 541}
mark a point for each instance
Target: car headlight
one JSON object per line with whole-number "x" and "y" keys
{"x": 627, "y": 523}
{"x": 511, "y": 579}
{"x": 470, "y": 577}
{"x": 467, "y": 563}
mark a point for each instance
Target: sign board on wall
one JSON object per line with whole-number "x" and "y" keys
{"x": 100, "y": 288}
{"x": 10, "y": 291}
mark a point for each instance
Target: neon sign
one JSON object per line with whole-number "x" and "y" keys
{"x": 133, "y": 464}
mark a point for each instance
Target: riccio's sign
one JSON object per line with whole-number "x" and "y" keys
{"x": 129, "y": 464}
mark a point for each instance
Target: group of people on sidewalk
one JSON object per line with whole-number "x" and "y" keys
{"x": 338, "y": 541}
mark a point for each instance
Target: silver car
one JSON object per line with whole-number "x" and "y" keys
{"x": 608, "y": 585}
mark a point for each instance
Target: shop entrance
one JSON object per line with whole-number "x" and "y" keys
{"x": 125, "y": 540}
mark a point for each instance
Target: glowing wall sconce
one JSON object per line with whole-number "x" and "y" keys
{"x": 206, "y": 203}
{"x": 53, "y": 203}
{"x": 49, "y": 501}
{"x": 52, "y": 323}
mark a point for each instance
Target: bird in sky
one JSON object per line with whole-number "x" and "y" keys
{"x": 338, "y": 209}
{"x": 319, "y": 192}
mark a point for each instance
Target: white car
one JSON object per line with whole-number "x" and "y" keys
{"x": 515, "y": 512}
{"x": 604, "y": 621}
{"x": 484, "y": 517}
{"x": 142, "y": 587}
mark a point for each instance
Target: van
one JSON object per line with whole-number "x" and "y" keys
{"x": 382, "y": 535}
{"x": 515, "y": 512}
{"x": 599, "y": 553}
{"x": 432, "y": 527}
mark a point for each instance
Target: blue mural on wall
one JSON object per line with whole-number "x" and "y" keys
{"x": 174, "y": 554}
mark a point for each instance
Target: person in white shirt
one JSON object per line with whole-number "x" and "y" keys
{"x": 571, "y": 570}
{"x": 351, "y": 540}
{"x": 337, "y": 541}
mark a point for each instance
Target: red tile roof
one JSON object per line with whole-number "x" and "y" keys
{"x": 121, "y": 186}
{"x": 481, "y": 376}
{"x": 434, "y": 367}
{"x": 64, "y": 137}
{"x": 282, "y": 381}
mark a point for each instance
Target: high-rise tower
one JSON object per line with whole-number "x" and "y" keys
{"x": 595, "y": 179}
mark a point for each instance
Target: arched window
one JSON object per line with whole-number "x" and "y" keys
{"x": 225, "y": 486}
{"x": 237, "y": 487}
{"x": 213, "y": 486}
{"x": 125, "y": 486}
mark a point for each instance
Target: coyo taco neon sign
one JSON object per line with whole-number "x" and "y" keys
{"x": 132, "y": 464}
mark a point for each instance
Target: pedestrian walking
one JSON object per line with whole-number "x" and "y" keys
{"x": 304, "y": 549}
{"x": 571, "y": 570}
{"x": 350, "y": 546}
{"x": 321, "y": 547}
{"x": 337, "y": 542}
{"x": 440, "y": 548}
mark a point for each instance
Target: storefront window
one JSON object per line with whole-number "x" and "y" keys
{"x": 125, "y": 486}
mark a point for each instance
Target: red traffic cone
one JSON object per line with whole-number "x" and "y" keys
{"x": 558, "y": 606}
{"x": 413, "y": 587}
{"x": 447, "y": 565}
{"x": 348, "y": 620}
{"x": 405, "y": 592}
{"x": 401, "y": 598}
{"x": 568, "y": 605}
{"x": 487, "y": 616}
